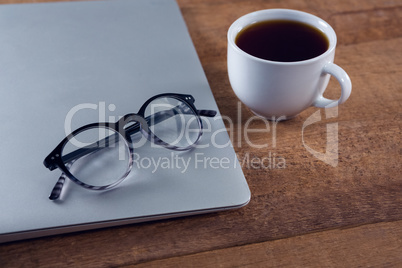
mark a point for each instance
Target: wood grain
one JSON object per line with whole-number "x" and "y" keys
{"x": 304, "y": 213}
{"x": 375, "y": 245}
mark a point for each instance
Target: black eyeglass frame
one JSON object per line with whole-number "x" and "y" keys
{"x": 55, "y": 160}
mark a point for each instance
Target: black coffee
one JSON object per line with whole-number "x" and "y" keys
{"x": 282, "y": 40}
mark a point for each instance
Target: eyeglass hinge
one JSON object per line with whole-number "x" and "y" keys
{"x": 50, "y": 163}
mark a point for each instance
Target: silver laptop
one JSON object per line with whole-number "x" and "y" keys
{"x": 64, "y": 65}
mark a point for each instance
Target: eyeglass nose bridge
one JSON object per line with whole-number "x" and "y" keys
{"x": 143, "y": 126}
{"x": 133, "y": 123}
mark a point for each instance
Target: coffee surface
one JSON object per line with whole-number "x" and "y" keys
{"x": 282, "y": 40}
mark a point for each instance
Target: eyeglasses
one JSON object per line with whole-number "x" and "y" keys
{"x": 99, "y": 156}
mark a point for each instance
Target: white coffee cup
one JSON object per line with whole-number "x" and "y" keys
{"x": 281, "y": 90}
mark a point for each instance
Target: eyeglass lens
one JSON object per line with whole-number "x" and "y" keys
{"x": 181, "y": 128}
{"x": 104, "y": 157}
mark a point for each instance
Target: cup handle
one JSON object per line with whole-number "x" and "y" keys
{"x": 344, "y": 81}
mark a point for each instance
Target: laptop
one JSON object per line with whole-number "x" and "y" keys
{"x": 64, "y": 65}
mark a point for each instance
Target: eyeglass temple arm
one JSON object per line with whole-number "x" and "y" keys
{"x": 206, "y": 113}
{"x": 56, "y": 191}
{"x": 161, "y": 116}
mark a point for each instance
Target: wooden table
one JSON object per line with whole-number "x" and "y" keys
{"x": 306, "y": 213}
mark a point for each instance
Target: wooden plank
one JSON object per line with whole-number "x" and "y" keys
{"x": 374, "y": 245}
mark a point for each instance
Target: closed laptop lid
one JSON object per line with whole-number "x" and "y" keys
{"x": 64, "y": 65}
